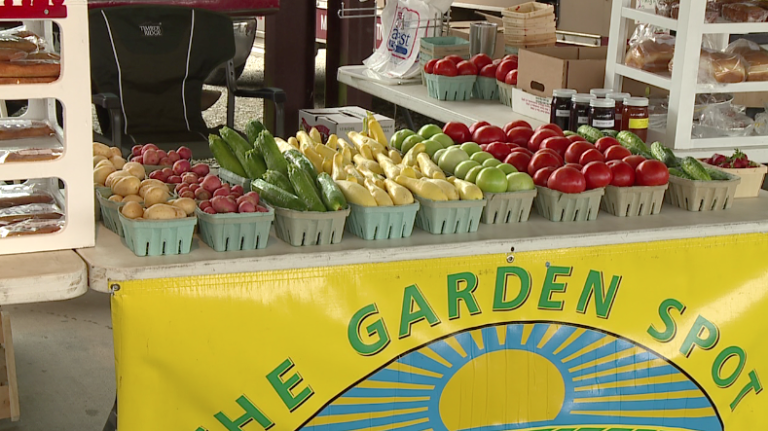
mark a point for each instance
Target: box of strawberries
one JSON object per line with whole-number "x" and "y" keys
{"x": 752, "y": 173}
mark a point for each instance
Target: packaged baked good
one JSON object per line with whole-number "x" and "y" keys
{"x": 722, "y": 67}
{"x": 710, "y": 15}
{"x": 14, "y": 42}
{"x": 744, "y": 12}
{"x": 30, "y": 69}
{"x": 664, "y": 7}
{"x": 31, "y": 227}
{"x": 651, "y": 53}
{"x": 755, "y": 57}
{"x": 13, "y": 128}
{"x": 19, "y": 213}
{"x": 31, "y": 192}
{"x": 8, "y": 54}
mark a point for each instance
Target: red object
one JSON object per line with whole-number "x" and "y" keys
{"x": 567, "y": 180}
{"x": 473, "y": 128}
{"x": 519, "y": 135}
{"x": 488, "y": 135}
{"x": 575, "y": 150}
{"x": 538, "y": 137}
{"x": 591, "y": 156}
{"x": 459, "y": 132}
{"x": 523, "y": 150}
{"x": 634, "y": 161}
{"x": 606, "y": 142}
{"x": 499, "y": 150}
{"x": 467, "y": 68}
{"x": 616, "y": 152}
{"x": 577, "y": 138}
{"x": 174, "y": 179}
{"x": 512, "y": 146}
{"x": 148, "y": 147}
{"x": 511, "y": 78}
{"x": 454, "y": 58}
{"x": 553, "y": 127}
{"x": 542, "y": 160}
{"x": 597, "y": 174}
{"x": 430, "y": 66}
{"x": 184, "y": 153}
{"x": 481, "y": 60}
{"x": 136, "y": 150}
{"x": 557, "y": 143}
{"x": 576, "y": 166}
{"x": 33, "y": 9}
{"x": 510, "y": 57}
{"x": 651, "y": 173}
{"x": 519, "y": 160}
{"x": 504, "y": 68}
{"x": 518, "y": 123}
{"x": 446, "y": 68}
{"x": 541, "y": 176}
{"x": 488, "y": 71}
{"x": 717, "y": 159}
{"x": 623, "y": 174}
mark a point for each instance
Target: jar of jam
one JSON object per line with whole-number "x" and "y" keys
{"x": 602, "y": 113}
{"x": 561, "y": 108}
{"x": 619, "y": 98}
{"x": 600, "y": 93}
{"x": 580, "y": 110}
{"x": 635, "y": 116}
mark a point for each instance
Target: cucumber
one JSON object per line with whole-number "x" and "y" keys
{"x": 716, "y": 174}
{"x": 224, "y": 155}
{"x": 278, "y": 180}
{"x": 254, "y": 165}
{"x": 305, "y": 188}
{"x": 610, "y": 132}
{"x": 664, "y": 155}
{"x": 235, "y": 141}
{"x": 253, "y": 129}
{"x": 695, "y": 169}
{"x": 332, "y": 196}
{"x": 568, "y": 133}
{"x": 589, "y": 133}
{"x": 679, "y": 173}
{"x": 271, "y": 153}
{"x": 633, "y": 143}
{"x": 295, "y": 158}
{"x": 276, "y": 196}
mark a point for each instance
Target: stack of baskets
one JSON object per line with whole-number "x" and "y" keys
{"x": 529, "y": 25}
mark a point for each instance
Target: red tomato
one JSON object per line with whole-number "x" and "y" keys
{"x": 511, "y": 78}
{"x": 481, "y": 60}
{"x": 557, "y": 143}
{"x": 542, "y": 160}
{"x": 496, "y": 61}
{"x": 430, "y": 66}
{"x": 446, "y": 68}
{"x": 551, "y": 126}
{"x": 553, "y": 152}
{"x": 574, "y": 166}
{"x": 512, "y": 146}
{"x": 504, "y": 68}
{"x": 483, "y": 146}
{"x": 597, "y": 174}
{"x": 576, "y": 149}
{"x": 538, "y": 137}
{"x": 489, "y": 134}
{"x": 510, "y": 57}
{"x": 459, "y": 132}
{"x": 591, "y": 156}
{"x": 519, "y": 135}
{"x": 523, "y": 150}
{"x": 634, "y": 161}
{"x": 541, "y": 176}
{"x": 651, "y": 173}
{"x": 498, "y": 150}
{"x": 466, "y": 68}
{"x": 519, "y": 160}
{"x": 518, "y": 123}
{"x": 623, "y": 174}
{"x": 617, "y": 152}
{"x": 454, "y": 58}
{"x": 577, "y": 138}
{"x": 567, "y": 180}
{"x": 606, "y": 142}
{"x": 488, "y": 71}
{"x": 477, "y": 125}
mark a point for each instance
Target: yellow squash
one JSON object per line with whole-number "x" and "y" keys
{"x": 370, "y": 164}
{"x": 315, "y": 135}
{"x": 450, "y": 191}
{"x": 375, "y": 131}
{"x": 410, "y": 156}
{"x": 292, "y": 141}
{"x": 354, "y": 173}
{"x": 429, "y": 168}
{"x": 333, "y": 142}
{"x": 324, "y": 151}
{"x": 313, "y": 157}
{"x": 378, "y": 193}
{"x": 356, "y": 194}
{"x": 423, "y": 189}
{"x": 395, "y": 156}
{"x": 282, "y": 145}
{"x": 467, "y": 190}
{"x": 338, "y": 172}
{"x": 399, "y": 194}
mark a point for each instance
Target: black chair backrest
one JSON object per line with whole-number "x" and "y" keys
{"x": 155, "y": 59}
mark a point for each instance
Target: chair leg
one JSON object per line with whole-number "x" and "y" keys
{"x": 231, "y": 90}
{"x": 280, "y": 119}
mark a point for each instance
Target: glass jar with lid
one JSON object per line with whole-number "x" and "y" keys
{"x": 600, "y": 93}
{"x": 602, "y": 113}
{"x": 561, "y": 108}
{"x": 635, "y": 116}
{"x": 619, "y": 98}
{"x": 580, "y": 110}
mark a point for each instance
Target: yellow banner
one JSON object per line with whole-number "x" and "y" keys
{"x": 656, "y": 336}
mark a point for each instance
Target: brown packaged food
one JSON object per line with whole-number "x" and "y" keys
{"x": 43, "y": 56}
{"x": 744, "y": 12}
{"x": 9, "y": 54}
{"x": 16, "y": 81}
{"x": 757, "y": 69}
{"x": 725, "y": 68}
{"x": 710, "y": 15}
{"x": 652, "y": 55}
{"x": 14, "y": 42}
{"x": 24, "y": 194}
{"x": 20, "y": 129}
{"x": 30, "y": 69}
{"x": 30, "y": 155}
{"x": 31, "y": 227}
{"x": 20, "y": 213}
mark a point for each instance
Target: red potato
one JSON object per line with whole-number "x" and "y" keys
{"x": 173, "y": 156}
{"x": 591, "y": 155}
{"x": 165, "y": 161}
{"x": 209, "y": 210}
{"x": 162, "y": 153}
{"x": 200, "y": 180}
{"x": 606, "y": 142}
{"x": 211, "y": 183}
{"x": 597, "y": 174}
{"x": 184, "y": 153}
{"x": 261, "y": 209}
{"x": 616, "y": 152}
{"x": 575, "y": 150}
{"x": 136, "y": 150}
{"x": 222, "y": 205}
{"x": 147, "y": 147}
{"x": 541, "y": 176}
{"x": 519, "y": 135}
{"x": 226, "y": 187}
{"x": 174, "y": 179}
{"x": 168, "y": 172}
{"x": 557, "y": 143}
{"x": 201, "y": 169}
{"x": 246, "y": 207}
{"x": 221, "y": 192}
{"x": 138, "y": 159}
{"x": 253, "y": 197}
{"x": 519, "y": 160}
{"x": 187, "y": 194}
{"x": 202, "y": 194}
{"x": 538, "y": 137}
{"x": 194, "y": 187}
{"x": 237, "y": 189}
{"x": 181, "y": 166}
{"x": 189, "y": 177}
{"x": 634, "y": 161}
{"x": 205, "y": 204}
{"x": 517, "y": 123}
{"x": 158, "y": 175}
{"x": 151, "y": 157}
{"x": 180, "y": 186}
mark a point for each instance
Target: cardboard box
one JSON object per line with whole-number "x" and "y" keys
{"x": 585, "y": 16}
{"x": 545, "y": 69}
{"x": 461, "y": 29}
{"x": 340, "y": 121}
{"x": 536, "y": 107}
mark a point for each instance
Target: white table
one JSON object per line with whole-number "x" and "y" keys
{"x": 42, "y": 277}
{"x": 111, "y": 260}
{"x": 414, "y": 97}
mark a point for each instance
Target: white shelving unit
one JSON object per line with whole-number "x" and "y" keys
{"x": 682, "y": 83}
{"x": 73, "y": 88}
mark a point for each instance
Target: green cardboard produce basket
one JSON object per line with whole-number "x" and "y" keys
{"x": 486, "y": 88}
{"x": 449, "y": 217}
{"x": 158, "y": 237}
{"x": 234, "y": 179}
{"x": 110, "y": 211}
{"x": 372, "y": 223}
{"x": 299, "y": 228}
{"x": 235, "y": 232}
{"x": 505, "y": 93}
{"x": 452, "y": 88}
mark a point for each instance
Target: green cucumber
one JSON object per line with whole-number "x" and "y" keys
{"x": 589, "y": 133}
{"x": 633, "y": 143}
{"x": 253, "y": 129}
{"x": 278, "y": 180}
{"x": 695, "y": 169}
{"x": 679, "y": 173}
{"x": 276, "y": 196}
{"x": 271, "y": 153}
{"x": 254, "y": 165}
{"x": 609, "y": 132}
{"x": 332, "y": 196}
{"x": 305, "y": 188}
{"x": 664, "y": 155}
{"x": 224, "y": 155}
{"x": 295, "y": 158}
{"x": 716, "y": 174}
{"x": 568, "y": 133}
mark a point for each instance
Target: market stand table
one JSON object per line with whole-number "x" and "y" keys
{"x": 628, "y": 323}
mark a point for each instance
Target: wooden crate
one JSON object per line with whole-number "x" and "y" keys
{"x": 9, "y": 390}
{"x": 528, "y": 14}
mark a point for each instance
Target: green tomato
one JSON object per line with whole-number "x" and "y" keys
{"x": 432, "y": 147}
{"x": 518, "y": 181}
{"x": 481, "y": 156}
{"x": 471, "y": 148}
{"x": 409, "y": 143}
{"x": 429, "y": 131}
{"x": 463, "y": 168}
{"x": 507, "y": 168}
{"x": 444, "y": 139}
{"x": 473, "y": 173}
{"x": 492, "y": 180}
{"x": 396, "y": 141}
{"x": 451, "y": 159}
{"x": 439, "y": 153}
{"x": 491, "y": 163}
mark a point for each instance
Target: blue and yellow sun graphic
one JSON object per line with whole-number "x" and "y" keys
{"x": 532, "y": 376}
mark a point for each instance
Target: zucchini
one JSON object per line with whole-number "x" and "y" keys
{"x": 295, "y": 158}
{"x": 679, "y": 173}
{"x": 610, "y": 132}
{"x": 254, "y": 165}
{"x": 276, "y": 196}
{"x": 633, "y": 143}
{"x": 224, "y": 155}
{"x": 331, "y": 194}
{"x": 271, "y": 153}
{"x": 589, "y": 133}
{"x": 279, "y": 180}
{"x": 305, "y": 188}
{"x": 716, "y": 174}
{"x": 695, "y": 169}
{"x": 253, "y": 129}
{"x": 664, "y": 155}
{"x": 235, "y": 141}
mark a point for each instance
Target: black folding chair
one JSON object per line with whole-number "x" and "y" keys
{"x": 148, "y": 65}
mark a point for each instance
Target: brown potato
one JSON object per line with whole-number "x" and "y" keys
{"x": 133, "y": 198}
{"x": 132, "y": 210}
{"x": 186, "y": 204}
{"x": 135, "y": 169}
{"x": 101, "y": 173}
{"x": 115, "y": 152}
{"x": 117, "y": 161}
{"x": 116, "y": 198}
{"x": 163, "y": 212}
{"x": 156, "y": 195}
{"x": 100, "y": 149}
{"x": 126, "y": 186}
